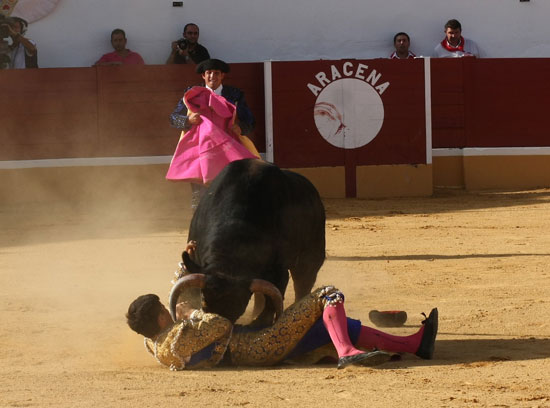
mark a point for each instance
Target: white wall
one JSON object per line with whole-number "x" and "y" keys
{"x": 77, "y": 32}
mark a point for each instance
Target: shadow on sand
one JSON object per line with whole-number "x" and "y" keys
{"x": 464, "y": 353}
{"x": 442, "y": 201}
{"x": 428, "y": 257}
{"x": 477, "y": 351}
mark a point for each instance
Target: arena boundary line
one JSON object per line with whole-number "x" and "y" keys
{"x": 492, "y": 151}
{"x": 268, "y": 113}
{"x": 84, "y": 162}
{"x": 146, "y": 160}
{"x": 428, "y": 107}
{"x": 482, "y": 168}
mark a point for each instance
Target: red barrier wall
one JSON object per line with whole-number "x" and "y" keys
{"x": 490, "y": 102}
{"x": 104, "y": 111}
{"x": 402, "y": 138}
{"x": 134, "y": 104}
{"x": 123, "y": 111}
{"x": 48, "y": 112}
{"x": 448, "y": 93}
{"x": 510, "y": 100}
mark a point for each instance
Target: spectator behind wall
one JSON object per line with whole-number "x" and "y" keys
{"x": 121, "y": 55}
{"x": 454, "y": 45}
{"x": 402, "y": 42}
{"x": 187, "y": 50}
{"x": 22, "y": 51}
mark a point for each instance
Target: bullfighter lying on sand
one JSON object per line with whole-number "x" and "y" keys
{"x": 311, "y": 330}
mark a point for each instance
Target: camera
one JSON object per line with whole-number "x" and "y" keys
{"x": 182, "y": 43}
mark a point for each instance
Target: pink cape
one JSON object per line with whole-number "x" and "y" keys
{"x": 208, "y": 147}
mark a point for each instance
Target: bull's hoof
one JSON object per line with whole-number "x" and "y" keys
{"x": 371, "y": 358}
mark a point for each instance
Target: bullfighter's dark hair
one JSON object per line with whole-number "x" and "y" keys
{"x": 401, "y": 33}
{"x": 453, "y": 24}
{"x": 118, "y": 31}
{"x": 142, "y": 316}
{"x": 190, "y": 24}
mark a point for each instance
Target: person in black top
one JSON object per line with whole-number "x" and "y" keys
{"x": 187, "y": 50}
{"x": 213, "y": 72}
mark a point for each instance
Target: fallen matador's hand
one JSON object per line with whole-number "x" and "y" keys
{"x": 184, "y": 310}
{"x": 191, "y": 248}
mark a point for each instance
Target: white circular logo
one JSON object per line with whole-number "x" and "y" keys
{"x": 349, "y": 113}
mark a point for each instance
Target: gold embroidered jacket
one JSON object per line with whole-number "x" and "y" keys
{"x": 203, "y": 340}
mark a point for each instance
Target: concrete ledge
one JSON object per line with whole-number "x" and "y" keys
{"x": 394, "y": 181}
{"x": 506, "y": 172}
{"x": 448, "y": 171}
{"x": 329, "y": 181}
{"x": 129, "y": 184}
{"x": 146, "y": 182}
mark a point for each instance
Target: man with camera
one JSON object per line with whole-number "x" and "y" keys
{"x": 22, "y": 52}
{"x": 187, "y": 49}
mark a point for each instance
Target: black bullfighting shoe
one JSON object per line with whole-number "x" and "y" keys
{"x": 370, "y": 358}
{"x": 427, "y": 343}
{"x": 388, "y": 318}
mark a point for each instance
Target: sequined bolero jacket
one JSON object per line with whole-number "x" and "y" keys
{"x": 204, "y": 339}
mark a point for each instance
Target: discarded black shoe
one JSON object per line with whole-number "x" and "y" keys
{"x": 427, "y": 344}
{"x": 370, "y": 358}
{"x": 388, "y": 318}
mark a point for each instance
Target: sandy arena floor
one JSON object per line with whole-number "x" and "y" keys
{"x": 68, "y": 273}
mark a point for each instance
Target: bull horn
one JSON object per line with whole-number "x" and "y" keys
{"x": 194, "y": 280}
{"x": 269, "y": 289}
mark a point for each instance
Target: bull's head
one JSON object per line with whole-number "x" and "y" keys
{"x": 223, "y": 295}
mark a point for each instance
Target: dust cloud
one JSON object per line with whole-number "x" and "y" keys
{"x": 77, "y": 245}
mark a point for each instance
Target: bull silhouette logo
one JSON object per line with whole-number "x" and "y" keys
{"x": 348, "y": 111}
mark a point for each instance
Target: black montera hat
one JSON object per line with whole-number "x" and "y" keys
{"x": 212, "y": 64}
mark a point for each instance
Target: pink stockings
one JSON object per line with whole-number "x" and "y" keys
{"x": 336, "y": 323}
{"x": 370, "y": 338}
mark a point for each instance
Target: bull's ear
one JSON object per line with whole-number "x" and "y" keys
{"x": 191, "y": 266}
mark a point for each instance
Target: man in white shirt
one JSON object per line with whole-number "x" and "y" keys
{"x": 454, "y": 45}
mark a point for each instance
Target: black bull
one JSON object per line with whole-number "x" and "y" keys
{"x": 256, "y": 221}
